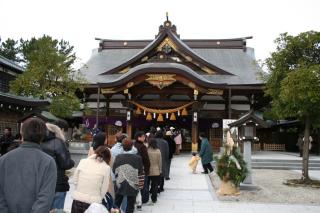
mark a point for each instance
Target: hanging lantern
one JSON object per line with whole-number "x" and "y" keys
{"x": 173, "y": 117}
{"x": 144, "y": 112}
{"x": 154, "y": 115}
{"x": 167, "y": 115}
{"x": 160, "y": 118}
{"x": 184, "y": 112}
{"x": 138, "y": 111}
{"x": 149, "y": 117}
{"x": 178, "y": 112}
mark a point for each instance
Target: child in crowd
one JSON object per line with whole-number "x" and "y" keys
{"x": 194, "y": 162}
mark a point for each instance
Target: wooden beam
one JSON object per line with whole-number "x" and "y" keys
{"x": 194, "y": 136}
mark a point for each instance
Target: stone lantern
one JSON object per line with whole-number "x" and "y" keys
{"x": 247, "y": 125}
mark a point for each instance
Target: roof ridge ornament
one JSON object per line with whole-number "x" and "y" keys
{"x": 167, "y": 25}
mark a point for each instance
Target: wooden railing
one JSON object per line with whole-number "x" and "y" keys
{"x": 274, "y": 147}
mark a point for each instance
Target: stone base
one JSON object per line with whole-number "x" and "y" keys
{"x": 228, "y": 188}
{"x": 249, "y": 187}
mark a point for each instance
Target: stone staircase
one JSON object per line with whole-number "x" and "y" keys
{"x": 284, "y": 164}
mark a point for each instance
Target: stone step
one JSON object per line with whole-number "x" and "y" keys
{"x": 284, "y": 160}
{"x": 284, "y": 167}
{"x": 283, "y": 164}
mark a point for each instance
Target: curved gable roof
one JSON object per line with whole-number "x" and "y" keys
{"x": 174, "y": 68}
{"x": 166, "y": 33}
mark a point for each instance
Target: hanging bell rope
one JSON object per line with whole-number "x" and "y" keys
{"x": 161, "y": 111}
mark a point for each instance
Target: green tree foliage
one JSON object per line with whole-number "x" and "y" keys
{"x": 49, "y": 74}
{"x": 293, "y": 82}
{"x": 10, "y": 49}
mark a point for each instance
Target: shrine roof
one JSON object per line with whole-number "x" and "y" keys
{"x": 235, "y": 61}
{"x": 20, "y": 100}
{"x": 11, "y": 65}
{"x": 211, "y": 61}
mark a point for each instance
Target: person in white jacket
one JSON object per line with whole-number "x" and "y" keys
{"x": 91, "y": 180}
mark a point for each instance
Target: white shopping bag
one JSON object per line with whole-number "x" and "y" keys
{"x": 96, "y": 208}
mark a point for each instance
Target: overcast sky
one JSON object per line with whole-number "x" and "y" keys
{"x": 81, "y": 21}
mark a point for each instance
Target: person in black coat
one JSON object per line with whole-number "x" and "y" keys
{"x": 143, "y": 153}
{"x": 164, "y": 149}
{"x": 6, "y": 140}
{"x": 172, "y": 150}
{"x": 56, "y": 147}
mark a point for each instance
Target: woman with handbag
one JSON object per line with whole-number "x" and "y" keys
{"x": 91, "y": 180}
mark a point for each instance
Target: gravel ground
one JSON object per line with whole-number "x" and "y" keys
{"x": 272, "y": 190}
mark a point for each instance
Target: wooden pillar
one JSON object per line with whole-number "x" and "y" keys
{"x": 98, "y": 106}
{"x": 129, "y": 129}
{"x": 107, "y": 106}
{"x": 129, "y": 123}
{"x": 194, "y": 132}
{"x": 107, "y": 114}
{"x": 229, "y": 104}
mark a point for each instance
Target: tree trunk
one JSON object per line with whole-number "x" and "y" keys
{"x": 305, "y": 161}
{"x": 318, "y": 141}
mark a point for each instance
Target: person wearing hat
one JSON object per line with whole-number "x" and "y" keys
{"x": 178, "y": 140}
{"x": 172, "y": 148}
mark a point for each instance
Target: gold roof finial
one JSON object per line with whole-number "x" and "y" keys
{"x": 167, "y": 15}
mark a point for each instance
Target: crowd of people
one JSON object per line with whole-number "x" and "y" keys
{"x": 124, "y": 177}
{"x": 135, "y": 174}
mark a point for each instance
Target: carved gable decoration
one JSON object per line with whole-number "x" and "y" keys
{"x": 166, "y": 44}
{"x": 160, "y": 80}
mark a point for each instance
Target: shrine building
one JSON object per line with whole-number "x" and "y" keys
{"x": 191, "y": 84}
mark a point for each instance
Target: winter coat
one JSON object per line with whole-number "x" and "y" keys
{"x": 143, "y": 152}
{"x": 155, "y": 162}
{"x": 91, "y": 180}
{"x": 57, "y": 149}
{"x": 172, "y": 145}
{"x": 178, "y": 139}
{"x": 164, "y": 149}
{"x": 27, "y": 180}
{"x": 205, "y": 151}
{"x": 118, "y": 149}
{"x": 127, "y": 169}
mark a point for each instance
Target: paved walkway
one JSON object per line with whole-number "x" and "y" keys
{"x": 192, "y": 193}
